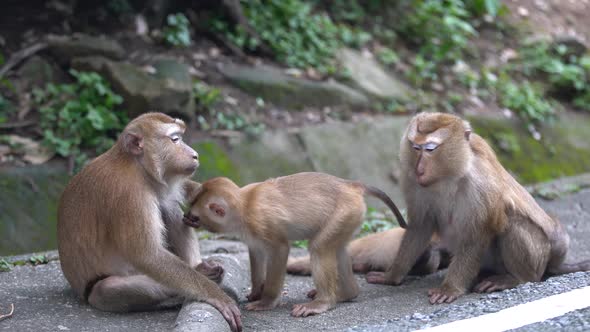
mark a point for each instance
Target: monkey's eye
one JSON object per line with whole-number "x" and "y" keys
{"x": 430, "y": 147}
{"x": 416, "y": 147}
{"x": 175, "y": 138}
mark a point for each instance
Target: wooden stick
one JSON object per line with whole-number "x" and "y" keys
{"x": 19, "y": 56}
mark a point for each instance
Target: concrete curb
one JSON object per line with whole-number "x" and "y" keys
{"x": 199, "y": 316}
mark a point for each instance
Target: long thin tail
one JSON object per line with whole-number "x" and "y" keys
{"x": 375, "y": 192}
{"x": 564, "y": 268}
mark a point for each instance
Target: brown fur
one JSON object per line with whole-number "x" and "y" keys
{"x": 374, "y": 252}
{"x": 486, "y": 220}
{"x": 267, "y": 215}
{"x": 121, "y": 240}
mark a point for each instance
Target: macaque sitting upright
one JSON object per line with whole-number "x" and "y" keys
{"x": 319, "y": 207}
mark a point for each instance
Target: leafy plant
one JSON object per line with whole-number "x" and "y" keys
{"x": 492, "y": 8}
{"x": 5, "y": 266}
{"x": 81, "y": 115}
{"x": 296, "y": 35}
{"x": 526, "y": 101}
{"x": 38, "y": 259}
{"x": 206, "y": 96}
{"x": 301, "y": 244}
{"x": 177, "y": 30}
{"x": 441, "y": 29}
{"x": 387, "y": 56}
{"x": 376, "y": 221}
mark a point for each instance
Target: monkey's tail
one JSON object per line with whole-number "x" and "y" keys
{"x": 564, "y": 268}
{"x": 375, "y": 192}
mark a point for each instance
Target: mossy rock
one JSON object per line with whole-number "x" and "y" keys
{"x": 214, "y": 161}
{"x": 564, "y": 149}
{"x": 28, "y": 203}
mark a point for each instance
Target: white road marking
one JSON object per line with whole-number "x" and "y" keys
{"x": 522, "y": 314}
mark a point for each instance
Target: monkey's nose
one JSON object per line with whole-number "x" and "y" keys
{"x": 196, "y": 156}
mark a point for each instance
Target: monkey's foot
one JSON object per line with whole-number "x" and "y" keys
{"x": 375, "y": 277}
{"x": 261, "y": 305}
{"x": 311, "y": 308}
{"x": 361, "y": 267}
{"x": 443, "y": 295}
{"x": 211, "y": 270}
{"x": 255, "y": 293}
{"x": 496, "y": 283}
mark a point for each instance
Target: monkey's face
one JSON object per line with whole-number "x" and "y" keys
{"x": 435, "y": 147}
{"x": 210, "y": 212}
{"x": 177, "y": 156}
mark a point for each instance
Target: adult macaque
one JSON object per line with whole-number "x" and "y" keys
{"x": 374, "y": 252}
{"x": 455, "y": 186}
{"x": 121, "y": 239}
{"x": 322, "y": 208}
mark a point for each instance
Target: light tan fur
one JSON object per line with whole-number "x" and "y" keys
{"x": 121, "y": 240}
{"x": 374, "y": 252}
{"x": 267, "y": 215}
{"x": 488, "y": 222}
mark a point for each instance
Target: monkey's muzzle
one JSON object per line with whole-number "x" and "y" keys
{"x": 190, "y": 220}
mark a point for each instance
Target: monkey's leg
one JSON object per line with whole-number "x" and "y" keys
{"x": 257, "y": 272}
{"x": 324, "y": 271}
{"x": 348, "y": 287}
{"x": 275, "y": 277}
{"x": 525, "y": 251}
{"x": 132, "y": 293}
{"x": 427, "y": 263}
{"x": 414, "y": 243}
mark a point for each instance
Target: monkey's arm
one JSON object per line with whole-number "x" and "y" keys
{"x": 415, "y": 240}
{"x": 463, "y": 270}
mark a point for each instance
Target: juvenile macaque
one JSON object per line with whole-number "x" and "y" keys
{"x": 122, "y": 243}
{"x": 375, "y": 252}
{"x": 455, "y": 186}
{"x": 267, "y": 215}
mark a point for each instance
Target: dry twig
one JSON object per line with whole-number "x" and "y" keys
{"x": 19, "y": 56}
{"x": 8, "y": 315}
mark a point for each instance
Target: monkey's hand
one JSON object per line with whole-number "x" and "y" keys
{"x": 444, "y": 294}
{"x": 255, "y": 293}
{"x": 190, "y": 220}
{"x": 229, "y": 310}
{"x": 211, "y": 270}
{"x": 376, "y": 277}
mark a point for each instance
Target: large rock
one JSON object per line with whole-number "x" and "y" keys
{"x": 369, "y": 76}
{"x": 37, "y": 72}
{"x": 142, "y": 91}
{"x": 275, "y": 86}
{"x": 80, "y": 45}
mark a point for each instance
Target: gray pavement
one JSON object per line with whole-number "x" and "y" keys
{"x": 44, "y": 302}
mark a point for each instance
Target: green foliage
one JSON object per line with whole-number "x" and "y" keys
{"x": 296, "y": 35}
{"x": 492, "y": 8}
{"x": 207, "y": 98}
{"x": 5, "y": 266}
{"x": 376, "y": 221}
{"x": 177, "y": 30}
{"x": 5, "y": 109}
{"x": 568, "y": 74}
{"x": 79, "y": 115}
{"x": 38, "y": 259}
{"x": 301, "y": 244}
{"x": 387, "y": 56}
{"x": 525, "y": 100}
{"x": 120, "y": 7}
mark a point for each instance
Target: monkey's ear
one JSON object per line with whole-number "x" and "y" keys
{"x": 467, "y": 131}
{"x": 218, "y": 209}
{"x": 133, "y": 143}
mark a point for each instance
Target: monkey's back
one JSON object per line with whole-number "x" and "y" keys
{"x": 84, "y": 221}
{"x": 304, "y": 202}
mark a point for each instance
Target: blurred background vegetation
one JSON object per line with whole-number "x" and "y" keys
{"x": 72, "y": 74}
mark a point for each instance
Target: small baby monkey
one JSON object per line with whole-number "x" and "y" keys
{"x": 319, "y": 207}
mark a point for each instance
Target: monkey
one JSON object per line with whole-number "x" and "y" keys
{"x": 121, "y": 240}
{"x": 454, "y": 186}
{"x": 322, "y": 208}
{"x": 372, "y": 253}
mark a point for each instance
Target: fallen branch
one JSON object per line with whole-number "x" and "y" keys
{"x": 20, "y": 124}
{"x": 8, "y": 315}
{"x": 19, "y": 56}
